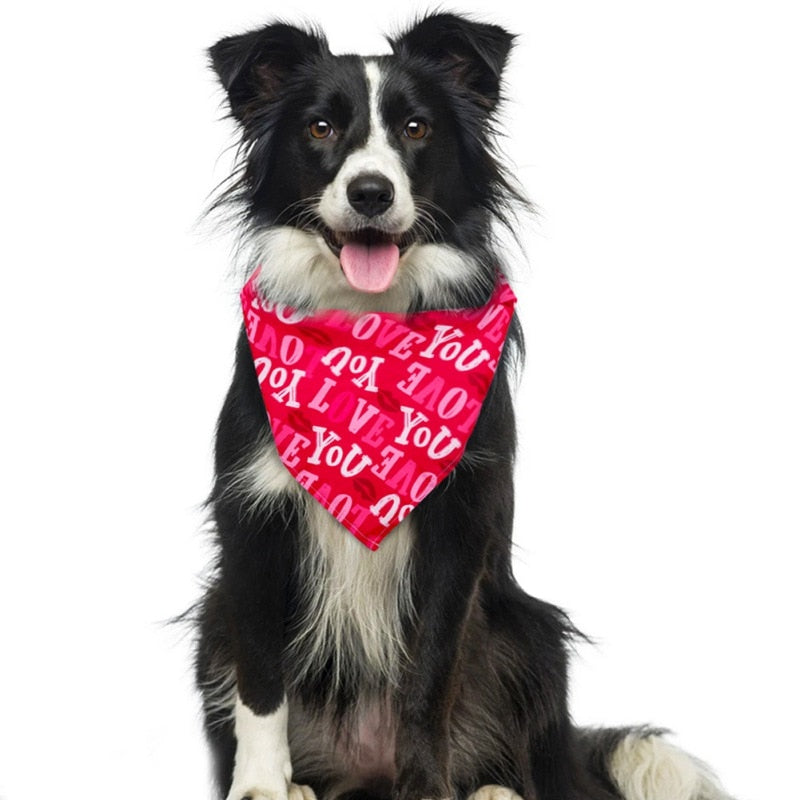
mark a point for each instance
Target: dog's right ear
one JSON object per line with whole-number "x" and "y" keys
{"x": 252, "y": 67}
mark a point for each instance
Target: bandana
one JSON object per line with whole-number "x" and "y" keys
{"x": 370, "y": 412}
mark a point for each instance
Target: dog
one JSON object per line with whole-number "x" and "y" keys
{"x": 371, "y": 186}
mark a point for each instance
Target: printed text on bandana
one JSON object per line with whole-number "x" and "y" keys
{"x": 371, "y": 412}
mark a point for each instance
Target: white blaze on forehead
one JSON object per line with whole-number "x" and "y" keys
{"x": 373, "y": 73}
{"x": 376, "y": 156}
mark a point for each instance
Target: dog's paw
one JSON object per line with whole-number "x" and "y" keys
{"x": 492, "y": 792}
{"x": 293, "y": 791}
{"x": 297, "y": 792}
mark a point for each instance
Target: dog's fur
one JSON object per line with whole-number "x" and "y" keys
{"x": 421, "y": 670}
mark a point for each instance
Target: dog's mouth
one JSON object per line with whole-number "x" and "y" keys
{"x": 369, "y": 257}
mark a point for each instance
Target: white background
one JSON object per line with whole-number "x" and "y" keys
{"x": 658, "y": 474}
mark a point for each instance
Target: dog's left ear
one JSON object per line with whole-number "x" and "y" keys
{"x": 473, "y": 52}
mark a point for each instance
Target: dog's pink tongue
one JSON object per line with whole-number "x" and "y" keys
{"x": 370, "y": 267}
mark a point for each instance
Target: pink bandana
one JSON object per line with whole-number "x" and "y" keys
{"x": 371, "y": 412}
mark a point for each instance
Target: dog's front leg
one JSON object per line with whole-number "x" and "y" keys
{"x": 254, "y": 570}
{"x": 449, "y": 565}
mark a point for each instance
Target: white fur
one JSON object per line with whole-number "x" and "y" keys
{"x": 263, "y": 478}
{"x": 493, "y": 792}
{"x": 649, "y": 768}
{"x": 376, "y": 156}
{"x": 356, "y": 599}
{"x": 437, "y": 271}
{"x": 263, "y": 768}
{"x": 303, "y": 273}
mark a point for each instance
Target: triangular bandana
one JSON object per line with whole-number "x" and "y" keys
{"x": 370, "y": 412}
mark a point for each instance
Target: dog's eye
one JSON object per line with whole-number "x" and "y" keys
{"x": 320, "y": 129}
{"x": 416, "y": 129}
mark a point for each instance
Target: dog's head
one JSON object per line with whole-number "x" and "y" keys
{"x": 369, "y": 182}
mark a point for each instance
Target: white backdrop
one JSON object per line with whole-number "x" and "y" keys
{"x": 658, "y": 473}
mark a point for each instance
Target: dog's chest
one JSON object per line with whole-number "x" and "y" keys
{"x": 354, "y": 603}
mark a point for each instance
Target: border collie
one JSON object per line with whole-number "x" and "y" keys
{"x": 421, "y": 670}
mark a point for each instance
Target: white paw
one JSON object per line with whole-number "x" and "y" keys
{"x": 297, "y": 792}
{"x": 492, "y": 792}
{"x": 291, "y": 791}
{"x": 263, "y": 767}
{"x": 649, "y": 768}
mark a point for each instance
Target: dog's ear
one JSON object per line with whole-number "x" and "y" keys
{"x": 253, "y": 67}
{"x": 473, "y": 52}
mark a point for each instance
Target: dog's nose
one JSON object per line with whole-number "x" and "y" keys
{"x": 370, "y": 194}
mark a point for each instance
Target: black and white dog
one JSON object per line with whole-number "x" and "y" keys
{"x": 421, "y": 670}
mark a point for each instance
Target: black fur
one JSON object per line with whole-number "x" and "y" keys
{"x": 483, "y": 697}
